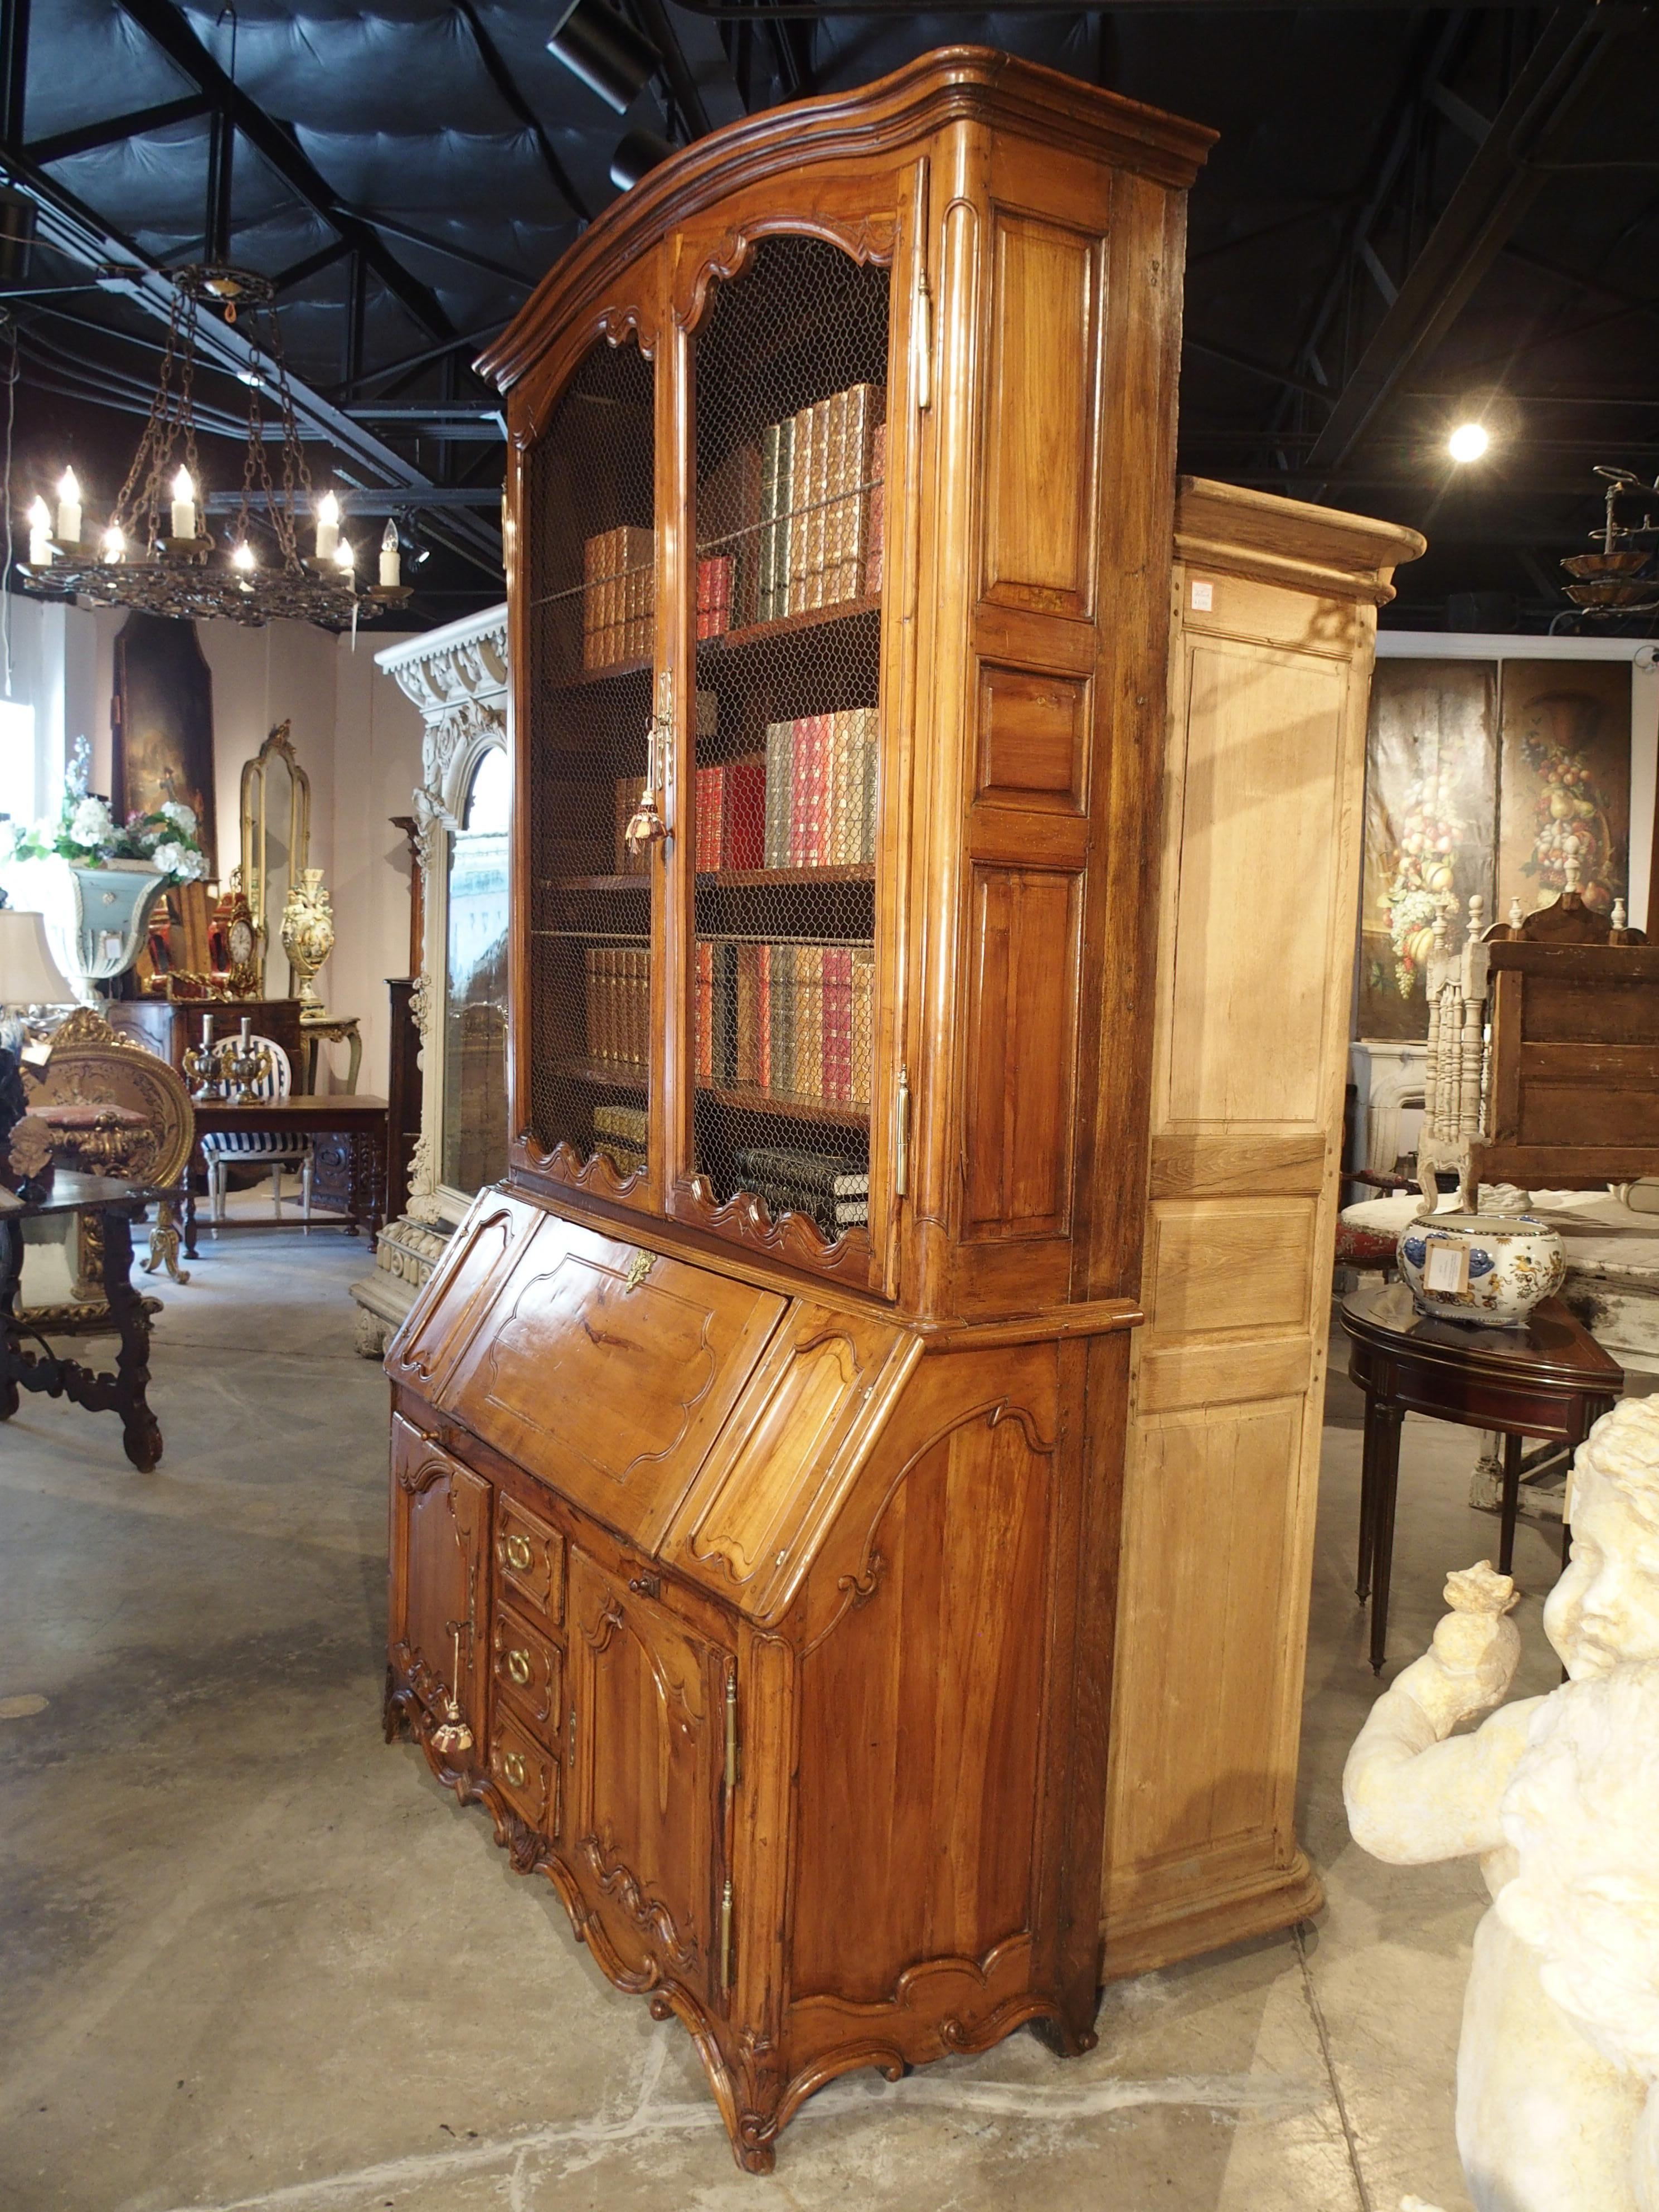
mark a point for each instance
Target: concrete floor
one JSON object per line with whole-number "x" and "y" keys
{"x": 252, "y": 1957}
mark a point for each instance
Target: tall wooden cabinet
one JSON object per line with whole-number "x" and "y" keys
{"x": 1272, "y": 634}
{"x": 758, "y": 1447}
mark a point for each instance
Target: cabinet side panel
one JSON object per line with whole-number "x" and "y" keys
{"x": 1247, "y": 1025}
{"x": 1206, "y": 1618}
{"x": 1021, "y": 1058}
{"x": 1040, "y": 503}
{"x": 1258, "y": 881}
{"x": 918, "y": 1802}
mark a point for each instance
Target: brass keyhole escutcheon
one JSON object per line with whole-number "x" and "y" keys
{"x": 519, "y": 1557}
{"x": 638, "y": 1268}
{"x": 513, "y": 1768}
{"x": 518, "y": 1666}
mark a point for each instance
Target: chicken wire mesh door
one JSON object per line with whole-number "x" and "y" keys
{"x": 791, "y": 371}
{"x": 591, "y": 599}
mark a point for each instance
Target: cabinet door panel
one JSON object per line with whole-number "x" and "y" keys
{"x": 1019, "y": 1107}
{"x": 589, "y": 588}
{"x": 662, "y": 1347}
{"x": 780, "y": 821}
{"x": 650, "y": 1748}
{"x": 439, "y": 1546}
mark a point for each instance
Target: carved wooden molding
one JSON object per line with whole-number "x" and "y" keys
{"x": 860, "y": 1587}
{"x": 615, "y": 324}
{"x": 562, "y": 1166}
{"x": 794, "y": 1238}
{"x": 649, "y": 1914}
{"x": 871, "y": 238}
{"x": 954, "y": 84}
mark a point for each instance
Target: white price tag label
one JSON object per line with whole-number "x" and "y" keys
{"x": 1446, "y": 1266}
{"x": 1203, "y": 597}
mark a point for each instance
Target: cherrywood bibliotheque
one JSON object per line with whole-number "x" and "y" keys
{"x": 757, "y": 1447}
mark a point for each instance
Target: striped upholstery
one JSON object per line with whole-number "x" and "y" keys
{"x": 222, "y": 1148}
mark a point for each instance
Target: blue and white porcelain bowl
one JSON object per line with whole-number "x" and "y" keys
{"x": 1487, "y": 1268}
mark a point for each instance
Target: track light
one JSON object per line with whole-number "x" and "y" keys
{"x": 638, "y": 152}
{"x": 604, "y": 50}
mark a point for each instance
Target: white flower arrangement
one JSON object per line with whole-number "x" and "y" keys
{"x": 86, "y": 833}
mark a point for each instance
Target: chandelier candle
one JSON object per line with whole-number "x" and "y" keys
{"x": 39, "y": 535}
{"x": 391, "y": 573}
{"x": 184, "y": 505}
{"x": 69, "y": 509}
{"x": 328, "y": 525}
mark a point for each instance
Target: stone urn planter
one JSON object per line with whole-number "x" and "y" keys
{"x": 96, "y": 918}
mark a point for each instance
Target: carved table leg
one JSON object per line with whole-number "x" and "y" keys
{"x": 164, "y": 1243}
{"x": 11, "y": 1274}
{"x": 1390, "y": 1414}
{"x": 189, "y": 1207}
{"x": 141, "y": 1431}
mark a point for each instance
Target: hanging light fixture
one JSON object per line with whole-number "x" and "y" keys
{"x": 154, "y": 552}
{"x": 1619, "y": 577}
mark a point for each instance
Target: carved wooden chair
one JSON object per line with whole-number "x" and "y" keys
{"x": 223, "y": 1150}
{"x": 1543, "y": 1051}
{"x": 89, "y": 1065}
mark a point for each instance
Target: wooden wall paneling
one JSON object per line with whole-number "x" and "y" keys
{"x": 1268, "y": 695}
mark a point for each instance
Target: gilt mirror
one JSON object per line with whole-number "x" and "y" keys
{"x": 276, "y": 823}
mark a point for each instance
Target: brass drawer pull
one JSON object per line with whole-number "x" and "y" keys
{"x": 518, "y": 1554}
{"x": 518, "y": 1666}
{"x": 514, "y": 1769}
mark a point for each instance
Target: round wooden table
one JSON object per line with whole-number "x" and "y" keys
{"x": 1550, "y": 1380}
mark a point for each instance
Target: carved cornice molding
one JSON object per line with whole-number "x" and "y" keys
{"x": 446, "y": 668}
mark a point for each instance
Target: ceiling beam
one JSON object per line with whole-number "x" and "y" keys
{"x": 63, "y": 145}
{"x": 276, "y": 145}
{"x": 1566, "y": 70}
{"x": 507, "y": 87}
{"x": 70, "y": 227}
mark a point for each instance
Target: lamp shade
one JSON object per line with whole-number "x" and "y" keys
{"x": 29, "y": 976}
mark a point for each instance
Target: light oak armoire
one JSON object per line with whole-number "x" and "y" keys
{"x": 1273, "y": 636}
{"x": 757, "y": 1447}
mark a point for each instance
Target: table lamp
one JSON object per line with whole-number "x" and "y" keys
{"x": 29, "y": 976}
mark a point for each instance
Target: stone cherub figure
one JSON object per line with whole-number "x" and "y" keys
{"x": 1558, "y": 2065}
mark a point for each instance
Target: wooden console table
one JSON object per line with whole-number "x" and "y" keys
{"x": 361, "y": 1121}
{"x": 1550, "y": 1380}
{"x": 21, "y": 1367}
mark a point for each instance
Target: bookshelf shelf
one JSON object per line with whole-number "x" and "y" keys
{"x": 750, "y": 1098}
{"x": 810, "y": 618}
{"x": 583, "y": 679}
{"x": 599, "y": 883}
{"x": 863, "y": 871}
{"x": 609, "y": 1074}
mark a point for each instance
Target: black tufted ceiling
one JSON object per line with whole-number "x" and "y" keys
{"x": 1396, "y": 224}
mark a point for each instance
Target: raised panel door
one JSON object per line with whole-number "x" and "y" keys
{"x": 439, "y": 1549}
{"x": 649, "y": 1726}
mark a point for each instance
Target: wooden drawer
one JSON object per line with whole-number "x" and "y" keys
{"x": 526, "y": 1774}
{"x": 529, "y": 1560}
{"x": 528, "y": 1669}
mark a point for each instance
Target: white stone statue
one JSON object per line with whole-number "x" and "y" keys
{"x": 1558, "y": 2065}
